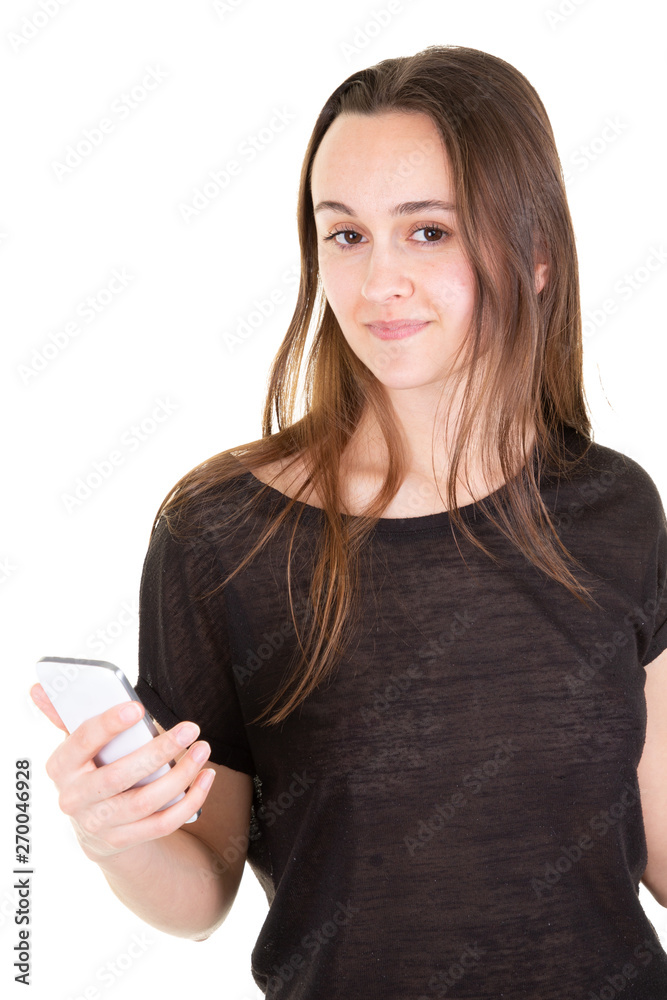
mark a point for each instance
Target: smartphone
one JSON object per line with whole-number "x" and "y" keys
{"x": 80, "y": 689}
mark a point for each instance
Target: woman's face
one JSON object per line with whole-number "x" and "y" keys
{"x": 385, "y": 257}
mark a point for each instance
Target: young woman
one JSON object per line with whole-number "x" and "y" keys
{"x": 418, "y": 629}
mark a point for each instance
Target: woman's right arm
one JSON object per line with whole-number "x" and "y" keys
{"x": 173, "y": 879}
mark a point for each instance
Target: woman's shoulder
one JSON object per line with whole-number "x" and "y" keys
{"x": 285, "y": 474}
{"x": 606, "y": 472}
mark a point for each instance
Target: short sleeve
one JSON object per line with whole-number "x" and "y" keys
{"x": 185, "y": 664}
{"x": 656, "y": 598}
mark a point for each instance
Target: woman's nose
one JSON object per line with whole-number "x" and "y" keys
{"x": 385, "y": 276}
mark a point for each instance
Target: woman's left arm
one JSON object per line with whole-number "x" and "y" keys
{"x": 652, "y": 776}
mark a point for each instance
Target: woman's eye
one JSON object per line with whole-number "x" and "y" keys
{"x": 431, "y": 229}
{"x": 343, "y": 232}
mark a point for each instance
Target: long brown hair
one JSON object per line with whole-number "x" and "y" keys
{"x": 523, "y": 356}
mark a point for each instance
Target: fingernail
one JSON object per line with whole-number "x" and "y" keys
{"x": 186, "y": 733}
{"x": 205, "y": 778}
{"x": 130, "y": 712}
{"x": 200, "y": 752}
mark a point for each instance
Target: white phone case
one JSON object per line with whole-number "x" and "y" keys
{"x": 80, "y": 689}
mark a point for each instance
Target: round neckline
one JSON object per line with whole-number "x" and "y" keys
{"x": 422, "y": 522}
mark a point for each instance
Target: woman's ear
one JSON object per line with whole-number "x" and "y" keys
{"x": 540, "y": 277}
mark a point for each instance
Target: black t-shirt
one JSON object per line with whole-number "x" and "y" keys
{"x": 456, "y": 813}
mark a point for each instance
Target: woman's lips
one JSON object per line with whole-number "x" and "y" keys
{"x": 396, "y": 331}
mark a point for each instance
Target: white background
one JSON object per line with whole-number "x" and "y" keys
{"x": 68, "y": 573}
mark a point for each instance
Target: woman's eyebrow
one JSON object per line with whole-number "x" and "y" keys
{"x": 405, "y": 208}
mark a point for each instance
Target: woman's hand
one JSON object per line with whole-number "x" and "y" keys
{"x": 108, "y": 815}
